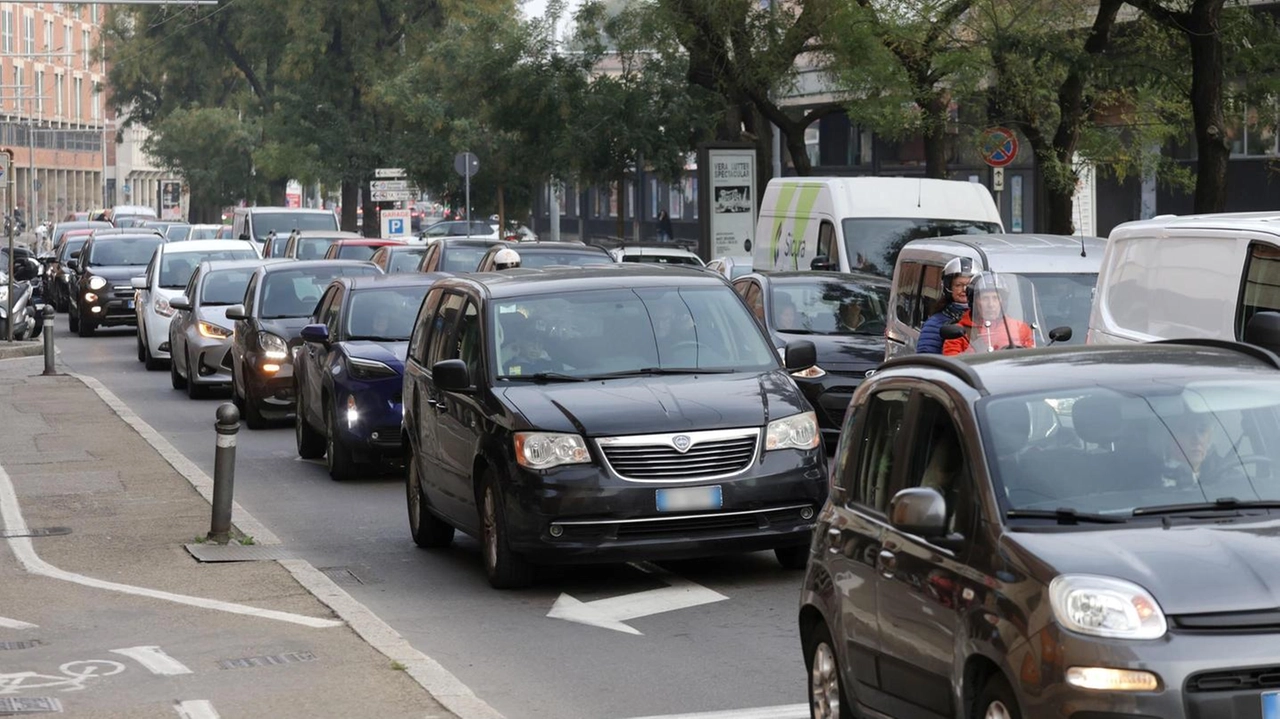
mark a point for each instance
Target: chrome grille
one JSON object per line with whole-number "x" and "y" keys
{"x": 657, "y": 457}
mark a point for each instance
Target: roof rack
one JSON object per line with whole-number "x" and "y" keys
{"x": 1244, "y": 348}
{"x": 952, "y": 367}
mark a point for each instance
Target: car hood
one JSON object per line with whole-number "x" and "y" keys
{"x": 1232, "y": 565}
{"x": 391, "y": 354}
{"x": 217, "y": 314}
{"x": 644, "y": 405}
{"x": 117, "y": 274}
{"x": 290, "y": 328}
{"x": 841, "y": 353}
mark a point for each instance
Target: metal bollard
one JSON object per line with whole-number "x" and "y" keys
{"x": 224, "y": 472}
{"x": 47, "y": 312}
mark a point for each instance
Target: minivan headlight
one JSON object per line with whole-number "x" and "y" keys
{"x": 799, "y": 431}
{"x": 544, "y": 450}
{"x": 1106, "y": 607}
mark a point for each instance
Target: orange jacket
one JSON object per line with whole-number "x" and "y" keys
{"x": 1002, "y": 333}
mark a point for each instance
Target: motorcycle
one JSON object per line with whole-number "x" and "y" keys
{"x": 26, "y": 312}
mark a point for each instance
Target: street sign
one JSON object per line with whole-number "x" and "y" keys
{"x": 389, "y": 185}
{"x": 389, "y": 173}
{"x": 390, "y": 195}
{"x": 997, "y": 179}
{"x": 999, "y": 146}
{"x": 395, "y": 223}
{"x": 466, "y": 164}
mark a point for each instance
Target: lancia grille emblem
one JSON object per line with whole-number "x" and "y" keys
{"x": 681, "y": 442}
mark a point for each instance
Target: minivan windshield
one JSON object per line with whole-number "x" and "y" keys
{"x": 384, "y": 315}
{"x": 622, "y": 332}
{"x": 828, "y": 306}
{"x": 873, "y": 244}
{"x": 1146, "y": 446}
{"x": 286, "y": 222}
{"x": 294, "y": 293}
{"x": 177, "y": 267}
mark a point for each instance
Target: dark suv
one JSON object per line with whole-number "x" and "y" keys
{"x": 1064, "y": 532}
{"x": 599, "y": 414}
{"x": 103, "y": 295}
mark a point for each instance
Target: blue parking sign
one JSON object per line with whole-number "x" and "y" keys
{"x": 396, "y": 226}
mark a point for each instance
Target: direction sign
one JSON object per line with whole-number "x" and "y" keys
{"x": 384, "y": 173}
{"x": 389, "y": 185}
{"x": 395, "y": 223}
{"x": 390, "y": 195}
{"x": 999, "y": 146}
{"x": 466, "y": 164}
{"x": 613, "y": 613}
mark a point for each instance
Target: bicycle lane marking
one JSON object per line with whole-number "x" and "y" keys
{"x": 73, "y": 677}
{"x": 154, "y": 660}
{"x": 16, "y": 624}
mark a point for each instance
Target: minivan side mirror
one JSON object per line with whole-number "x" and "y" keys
{"x": 317, "y": 333}
{"x": 920, "y": 511}
{"x": 180, "y": 303}
{"x": 821, "y": 263}
{"x": 1263, "y": 330}
{"x": 236, "y": 312}
{"x": 451, "y": 375}
{"x": 951, "y": 332}
{"x": 800, "y": 354}
{"x": 1060, "y": 334}
{"x": 139, "y": 283}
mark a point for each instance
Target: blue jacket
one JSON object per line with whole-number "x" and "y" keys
{"x": 930, "y": 341}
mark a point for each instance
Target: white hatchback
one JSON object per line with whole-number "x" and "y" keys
{"x": 166, "y": 277}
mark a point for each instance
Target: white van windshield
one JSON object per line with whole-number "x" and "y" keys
{"x": 873, "y": 244}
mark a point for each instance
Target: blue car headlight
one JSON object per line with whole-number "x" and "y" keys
{"x": 363, "y": 369}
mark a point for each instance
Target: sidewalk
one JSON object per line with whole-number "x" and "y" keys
{"x": 104, "y": 613}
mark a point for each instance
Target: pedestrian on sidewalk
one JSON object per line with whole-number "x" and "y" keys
{"x": 665, "y": 232}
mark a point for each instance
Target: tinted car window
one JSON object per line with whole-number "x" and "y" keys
{"x": 885, "y": 413}
{"x": 313, "y": 248}
{"x": 384, "y": 314}
{"x": 873, "y": 245}
{"x": 75, "y": 244}
{"x": 463, "y": 259}
{"x": 829, "y": 307}
{"x": 176, "y": 267}
{"x": 294, "y": 293}
{"x": 579, "y": 259}
{"x": 286, "y": 222}
{"x": 442, "y": 328}
{"x": 124, "y": 251}
{"x": 177, "y": 232}
{"x": 356, "y": 252}
{"x": 406, "y": 261}
{"x": 225, "y": 287}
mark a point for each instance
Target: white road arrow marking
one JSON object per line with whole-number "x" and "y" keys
{"x": 611, "y": 613}
{"x": 155, "y": 660}
{"x": 197, "y": 709}
{"x": 15, "y": 624}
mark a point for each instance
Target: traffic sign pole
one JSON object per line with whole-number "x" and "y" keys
{"x": 466, "y": 164}
{"x": 6, "y": 176}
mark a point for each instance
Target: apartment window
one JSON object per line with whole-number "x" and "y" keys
{"x": 48, "y": 35}
{"x": 40, "y": 91}
{"x": 20, "y": 92}
{"x": 93, "y": 14}
{"x": 79, "y": 98}
{"x": 6, "y": 31}
{"x": 59, "y": 93}
{"x": 1251, "y": 129}
{"x": 29, "y": 36}
{"x": 84, "y": 47}
{"x": 96, "y": 103}
{"x": 66, "y": 39}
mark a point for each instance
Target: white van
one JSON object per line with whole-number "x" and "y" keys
{"x": 1061, "y": 270}
{"x": 859, "y": 224}
{"x": 1197, "y": 276}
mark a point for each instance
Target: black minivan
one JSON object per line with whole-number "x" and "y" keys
{"x": 599, "y": 414}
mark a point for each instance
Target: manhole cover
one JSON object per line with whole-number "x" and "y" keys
{"x": 20, "y": 645}
{"x": 342, "y": 575}
{"x": 37, "y": 532}
{"x": 29, "y": 705}
{"x": 248, "y": 662}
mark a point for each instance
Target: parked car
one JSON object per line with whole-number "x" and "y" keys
{"x": 166, "y": 277}
{"x": 1063, "y": 532}
{"x": 255, "y": 223}
{"x": 279, "y": 299}
{"x": 394, "y": 259}
{"x": 1061, "y": 270}
{"x": 59, "y": 277}
{"x": 200, "y": 333}
{"x": 458, "y": 228}
{"x": 313, "y": 244}
{"x": 540, "y": 417}
{"x": 361, "y": 249}
{"x": 349, "y": 371}
{"x": 456, "y": 254}
{"x": 104, "y": 294}
{"x": 660, "y": 254}
{"x": 842, "y": 314}
{"x": 546, "y": 254}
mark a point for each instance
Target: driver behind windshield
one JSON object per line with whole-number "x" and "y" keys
{"x": 524, "y": 347}
{"x": 1187, "y": 454}
{"x": 987, "y": 325}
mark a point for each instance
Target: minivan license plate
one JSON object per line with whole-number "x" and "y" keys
{"x": 684, "y": 499}
{"x": 1271, "y": 705}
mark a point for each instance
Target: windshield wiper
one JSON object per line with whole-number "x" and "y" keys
{"x": 797, "y": 332}
{"x": 643, "y": 371}
{"x": 1224, "y": 504}
{"x": 548, "y": 377}
{"x": 1064, "y": 516}
{"x": 375, "y": 338}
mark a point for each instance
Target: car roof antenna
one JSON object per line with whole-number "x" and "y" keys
{"x": 919, "y": 191}
{"x": 1082, "y": 252}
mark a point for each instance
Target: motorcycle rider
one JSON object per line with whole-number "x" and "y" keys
{"x": 506, "y": 259}
{"x": 951, "y": 306}
{"x": 987, "y": 325}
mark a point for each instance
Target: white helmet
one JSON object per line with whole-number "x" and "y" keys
{"x": 506, "y": 259}
{"x": 954, "y": 268}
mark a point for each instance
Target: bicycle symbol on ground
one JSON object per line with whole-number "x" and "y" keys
{"x": 73, "y": 677}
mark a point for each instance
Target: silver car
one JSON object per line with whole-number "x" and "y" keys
{"x": 200, "y": 333}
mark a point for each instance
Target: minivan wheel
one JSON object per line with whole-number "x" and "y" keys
{"x": 997, "y": 700}
{"x": 506, "y": 569}
{"x": 792, "y": 557}
{"x": 428, "y": 530}
{"x": 826, "y": 688}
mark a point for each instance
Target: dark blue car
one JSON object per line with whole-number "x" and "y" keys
{"x": 349, "y": 370}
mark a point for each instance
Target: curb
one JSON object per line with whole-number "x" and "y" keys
{"x": 14, "y": 350}
{"x": 429, "y": 674}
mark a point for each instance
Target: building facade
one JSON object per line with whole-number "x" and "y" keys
{"x": 52, "y": 106}
{"x": 135, "y": 177}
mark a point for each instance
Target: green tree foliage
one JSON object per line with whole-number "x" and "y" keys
{"x": 213, "y": 149}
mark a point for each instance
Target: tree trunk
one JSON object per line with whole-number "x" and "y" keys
{"x": 277, "y": 189}
{"x": 1214, "y": 152}
{"x": 350, "y": 197}
{"x": 1059, "y": 206}
{"x": 502, "y": 213}
{"x": 793, "y": 135}
{"x": 937, "y": 113}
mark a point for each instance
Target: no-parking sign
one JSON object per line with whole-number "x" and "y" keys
{"x": 999, "y": 146}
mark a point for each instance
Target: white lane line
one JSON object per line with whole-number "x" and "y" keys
{"x": 155, "y": 660}
{"x": 196, "y": 709}
{"x": 786, "y": 711}
{"x": 15, "y": 624}
{"x": 22, "y": 548}
{"x": 188, "y": 469}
